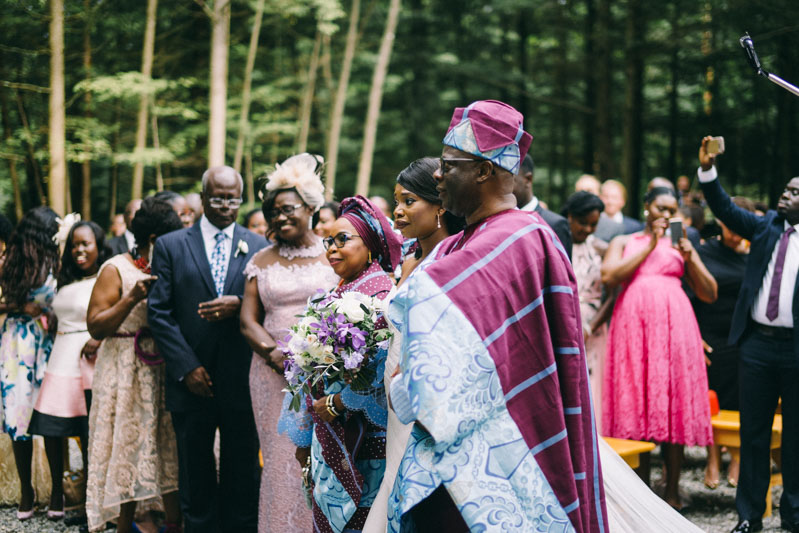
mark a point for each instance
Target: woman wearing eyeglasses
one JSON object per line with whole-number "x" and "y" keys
{"x": 348, "y": 445}
{"x": 280, "y": 278}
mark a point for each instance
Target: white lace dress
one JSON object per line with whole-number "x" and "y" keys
{"x": 132, "y": 447}
{"x": 284, "y": 292}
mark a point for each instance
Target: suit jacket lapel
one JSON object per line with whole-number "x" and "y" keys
{"x": 235, "y": 266}
{"x": 197, "y": 249}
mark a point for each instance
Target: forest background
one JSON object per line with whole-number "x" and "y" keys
{"x": 104, "y": 100}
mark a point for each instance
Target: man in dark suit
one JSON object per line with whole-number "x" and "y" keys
{"x": 763, "y": 323}
{"x": 526, "y": 201}
{"x": 614, "y": 196}
{"x": 123, "y": 243}
{"x": 194, "y": 316}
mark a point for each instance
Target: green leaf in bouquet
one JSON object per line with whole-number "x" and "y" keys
{"x": 295, "y": 402}
{"x": 363, "y": 379}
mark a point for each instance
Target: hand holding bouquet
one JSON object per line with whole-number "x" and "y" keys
{"x": 333, "y": 340}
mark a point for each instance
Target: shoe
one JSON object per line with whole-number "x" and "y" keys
{"x": 27, "y": 515}
{"x": 745, "y": 526}
{"x": 733, "y": 482}
{"x": 55, "y": 516}
{"x": 171, "y": 528}
{"x": 712, "y": 485}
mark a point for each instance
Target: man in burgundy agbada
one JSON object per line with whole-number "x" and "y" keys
{"x": 493, "y": 370}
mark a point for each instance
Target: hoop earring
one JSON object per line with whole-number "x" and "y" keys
{"x": 438, "y": 221}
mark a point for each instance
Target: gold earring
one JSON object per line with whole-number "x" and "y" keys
{"x": 438, "y": 221}
{"x": 370, "y": 256}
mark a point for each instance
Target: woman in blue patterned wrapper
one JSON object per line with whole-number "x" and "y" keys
{"x": 28, "y": 285}
{"x": 348, "y": 444}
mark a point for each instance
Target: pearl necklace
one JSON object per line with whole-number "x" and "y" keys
{"x": 292, "y": 252}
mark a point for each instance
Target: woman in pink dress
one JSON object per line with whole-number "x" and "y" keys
{"x": 655, "y": 378}
{"x": 280, "y": 278}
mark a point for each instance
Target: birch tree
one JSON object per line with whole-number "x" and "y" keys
{"x": 375, "y": 99}
{"x": 220, "y": 40}
{"x": 57, "y": 121}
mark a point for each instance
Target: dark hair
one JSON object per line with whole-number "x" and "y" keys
{"x": 167, "y": 196}
{"x": 418, "y": 178}
{"x": 582, "y": 203}
{"x": 31, "y": 255}
{"x": 154, "y": 217}
{"x": 268, "y": 205}
{"x": 69, "y": 270}
{"x": 659, "y": 191}
{"x": 333, "y": 206}
{"x": 6, "y": 227}
{"x": 249, "y": 215}
{"x": 527, "y": 164}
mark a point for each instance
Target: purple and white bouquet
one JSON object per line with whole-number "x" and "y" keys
{"x": 333, "y": 340}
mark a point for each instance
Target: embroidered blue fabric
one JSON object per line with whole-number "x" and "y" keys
{"x": 296, "y": 426}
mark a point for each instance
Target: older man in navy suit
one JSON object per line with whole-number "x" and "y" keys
{"x": 194, "y": 316}
{"x": 764, "y": 323}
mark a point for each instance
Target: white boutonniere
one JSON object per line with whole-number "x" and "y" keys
{"x": 242, "y": 248}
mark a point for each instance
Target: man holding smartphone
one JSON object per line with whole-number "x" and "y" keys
{"x": 763, "y": 323}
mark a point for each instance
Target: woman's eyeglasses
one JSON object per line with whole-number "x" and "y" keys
{"x": 287, "y": 210}
{"x": 339, "y": 240}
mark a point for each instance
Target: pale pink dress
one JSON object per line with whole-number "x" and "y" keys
{"x": 284, "y": 291}
{"x": 587, "y": 264}
{"x": 655, "y": 378}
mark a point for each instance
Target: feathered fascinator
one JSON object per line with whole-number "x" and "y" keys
{"x": 303, "y": 173}
{"x": 64, "y": 226}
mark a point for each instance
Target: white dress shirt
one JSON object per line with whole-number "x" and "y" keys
{"x": 531, "y": 206}
{"x": 129, "y": 239}
{"x": 789, "y": 271}
{"x": 209, "y": 232}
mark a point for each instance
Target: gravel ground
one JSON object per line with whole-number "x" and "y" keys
{"x": 711, "y": 510}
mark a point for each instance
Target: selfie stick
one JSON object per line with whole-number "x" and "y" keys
{"x": 751, "y": 56}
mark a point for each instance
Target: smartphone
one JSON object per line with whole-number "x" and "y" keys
{"x": 675, "y": 228}
{"x": 715, "y": 146}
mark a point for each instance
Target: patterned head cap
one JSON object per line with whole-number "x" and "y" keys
{"x": 491, "y": 130}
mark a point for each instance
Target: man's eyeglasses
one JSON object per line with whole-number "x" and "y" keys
{"x": 287, "y": 210}
{"x": 339, "y": 240}
{"x": 218, "y": 203}
{"x": 444, "y": 161}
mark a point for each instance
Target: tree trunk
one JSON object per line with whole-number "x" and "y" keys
{"x": 341, "y": 98}
{"x": 12, "y": 163}
{"x": 148, "y": 48}
{"x": 86, "y": 166}
{"x": 159, "y": 177}
{"x": 307, "y": 97}
{"x": 244, "y": 123}
{"x": 220, "y": 40}
{"x": 112, "y": 208}
{"x": 57, "y": 129}
{"x": 375, "y": 99}
{"x": 633, "y": 105}
{"x": 590, "y": 86}
{"x": 603, "y": 160}
{"x": 37, "y": 175}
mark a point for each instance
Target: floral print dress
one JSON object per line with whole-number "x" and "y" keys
{"x": 24, "y": 350}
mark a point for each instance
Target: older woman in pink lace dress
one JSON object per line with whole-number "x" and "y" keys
{"x": 280, "y": 279}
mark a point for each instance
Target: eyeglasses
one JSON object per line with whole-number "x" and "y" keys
{"x": 450, "y": 160}
{"x": 339, "y": 240}
{"x": 218, "y": 203}
{"x": 287, "y": 210}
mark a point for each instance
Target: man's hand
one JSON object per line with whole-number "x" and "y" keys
{"x": 706, "y": 161}
{"x": 199, "y": 382}
{"x": 219, "y": 308}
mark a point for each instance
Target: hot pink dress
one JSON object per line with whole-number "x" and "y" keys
{"x": 655, "y": 377}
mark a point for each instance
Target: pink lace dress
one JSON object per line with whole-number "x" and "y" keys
{"x": 284, "y": 291}
{"x": 655, "y": 378}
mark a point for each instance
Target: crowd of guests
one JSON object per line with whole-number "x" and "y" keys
{"x": 165, "y": 338}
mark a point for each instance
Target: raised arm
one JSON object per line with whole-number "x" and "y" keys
{"x": 697, "y": 275}
{"x": 741, "y": 221}
{"x": 108, "y": 307}
{"x": 617, "y": 269}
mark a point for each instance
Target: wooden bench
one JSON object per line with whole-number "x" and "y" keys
{"x": 630, "y": 450}
{"x": 727, "y": 432}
